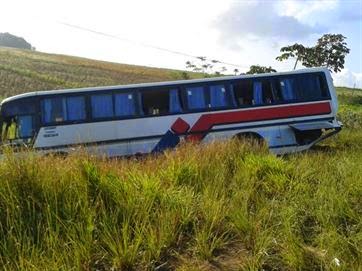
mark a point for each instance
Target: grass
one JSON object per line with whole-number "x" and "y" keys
{"x": 234, "y": 207}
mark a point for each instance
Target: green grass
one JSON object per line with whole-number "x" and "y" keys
{"x": 222, "y": 206}
{"x": 235, "y": 206}
{"x": 350, "y": 109}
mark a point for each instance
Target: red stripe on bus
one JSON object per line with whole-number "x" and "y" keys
{"x": 207, "y": 121}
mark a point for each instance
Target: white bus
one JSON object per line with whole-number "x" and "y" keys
{"x": 290, "y": 111}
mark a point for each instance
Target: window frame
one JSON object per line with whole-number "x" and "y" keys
{"x": 91, "y": 107}
{"x": 160, "y": 89}
{"x": 228, "y": 96}
{"x": 206, "y": 97}
{"x": 64, "y": 122}
{"x": 135, "y": 103}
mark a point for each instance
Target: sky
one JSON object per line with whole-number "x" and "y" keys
{"x": 168, "y": 33}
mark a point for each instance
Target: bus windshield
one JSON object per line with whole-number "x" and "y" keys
{"x": 17, "y": 128}
{"x": 18, "y": 122}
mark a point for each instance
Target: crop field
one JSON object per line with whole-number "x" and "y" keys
{"x": 235, "y": 207}
{"x": 23, "y": 71}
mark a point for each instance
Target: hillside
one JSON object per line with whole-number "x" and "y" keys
{"x": 222, "y": 206}
{"x": 23, "y": 71}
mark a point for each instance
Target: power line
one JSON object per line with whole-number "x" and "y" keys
{"x": 143, "y": 44}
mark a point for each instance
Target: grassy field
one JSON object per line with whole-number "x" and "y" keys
{"x": 235, "y": 207}
{"x": 23, "y": 71}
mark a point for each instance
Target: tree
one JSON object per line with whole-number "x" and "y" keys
{"x": 259, "y": 69}
{"x": 297, "y": 51}
{"x": 330, "y": 51}
{"x": 9, "y": 40}
{"x": 208, "y": 67}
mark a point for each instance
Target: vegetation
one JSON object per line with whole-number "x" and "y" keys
{"x": 207, "y": 67}
{"x": 330, "y": 51}
{"x": 9, "y": 40}
{"x": 254, "y": 69}
{"x": 23, "y": 71}
{"x": 235, "y": 207}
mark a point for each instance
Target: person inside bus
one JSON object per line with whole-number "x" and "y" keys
{"x": 240, "y": 100}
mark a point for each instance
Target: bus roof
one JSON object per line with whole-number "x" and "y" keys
{"x": 164, "y": 83}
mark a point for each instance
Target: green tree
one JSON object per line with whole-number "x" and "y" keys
{"x": 330, "y": 51}
{"x": 297, "y": 51}
{"x": 259, "y": 69}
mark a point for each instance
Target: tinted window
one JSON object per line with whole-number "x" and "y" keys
{"x": 175, "y": 101}
{"x": 102, "y": 106}
{"x": 243, "y": 92}
{"x": 288, "y": 89}
{"x": 25, "y": 126}
{"x": 195, "y": 97}
{"x": 54, "y": 110}
{"x": 155, "y": 102}
{"x": 218, "y": 96}
{"x": 75, "y": 108}
{"x": 257, "y": 93}
{"x": 62, "y": 109}
{"x": 19, "y": 107}
{"x": 310, "y": 87}
{"x": 124, "y": 104}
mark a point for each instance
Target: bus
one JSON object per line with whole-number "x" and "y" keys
{"x": 289, "y": 111}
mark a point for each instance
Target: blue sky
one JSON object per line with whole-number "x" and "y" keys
{"x": 239, "y": 32}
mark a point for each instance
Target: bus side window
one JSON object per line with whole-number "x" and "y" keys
{"x": 124, "y": 104}
{"x": 268, "y": 97}
{"x": 257, "y": 93}
{"x": 54, "y": 110}
{"x": 218, "y": 96}
{"x": 155, "y": 102}
{"x": 276, "y": 91}
{"x": 243, "y": 92}
{"x": 310, "y": 87}
{"x": 102, "y": 106}
{"x": 62, "y": 109}
{"x": 175, "y": 101}
{"x": 76, "y": 108}
{"x": 288, "y": 89}
{"x": 262, "y": 93}
{"x": 195, "y": 97}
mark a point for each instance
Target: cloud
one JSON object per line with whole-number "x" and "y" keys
{"x": 262, "y": 20}
{"x": 308, "y": 11}
{"x": 346, "y": 78}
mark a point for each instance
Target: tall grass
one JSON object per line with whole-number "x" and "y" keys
{"x": 234, "y": 206}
